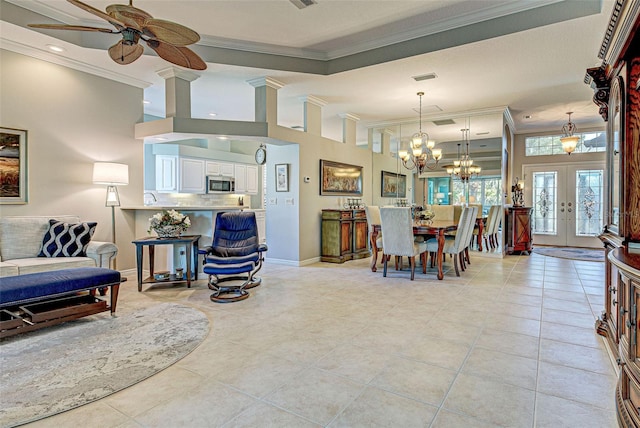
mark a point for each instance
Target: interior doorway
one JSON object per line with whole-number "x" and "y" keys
{"x": 567, "y": 203}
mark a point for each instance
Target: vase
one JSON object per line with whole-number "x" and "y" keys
{"x": 168, "y": 231}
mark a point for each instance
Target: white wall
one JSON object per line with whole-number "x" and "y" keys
{"x": 73, "y": 119}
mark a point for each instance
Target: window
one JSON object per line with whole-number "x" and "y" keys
{"x": 590, "y": 142}
{"x": 484, "y": 190}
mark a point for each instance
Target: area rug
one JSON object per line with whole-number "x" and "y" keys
{"x": 56, "y": 369}
{"x": 584, "y": 254}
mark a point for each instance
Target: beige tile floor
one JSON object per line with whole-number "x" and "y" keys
{"x": 509, "y": 343}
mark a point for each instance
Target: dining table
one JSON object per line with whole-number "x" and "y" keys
{"x": 435, "y": 228}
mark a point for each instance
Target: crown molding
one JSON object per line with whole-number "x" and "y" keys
{"x": 348, "y": 116}
{"x": 43, "y": 55}
{"x": 265, "y": 81}
{"x": 430, "y": 118}
{"x": 169, "y": 72}
{"x": 313, "y": 100}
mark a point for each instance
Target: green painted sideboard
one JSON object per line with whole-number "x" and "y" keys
{"x": 344, "y": 235}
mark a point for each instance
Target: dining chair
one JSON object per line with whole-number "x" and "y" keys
{"x": 494, "y": 227}
{"x": 398, "y": 240}
{"x": 456, "y": 246}
{"x": 373, "y": 217}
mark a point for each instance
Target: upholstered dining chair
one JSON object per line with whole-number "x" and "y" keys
{"x": 373, "y": 217}
{"x": 494, "y": 226}
{"x": 494, "y": 211}
{"x": 397, "y": 238}
{"x": 456, "y": 246}
{"x": 234, "y": 255}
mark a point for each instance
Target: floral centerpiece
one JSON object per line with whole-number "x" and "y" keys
{"x": 169, "y": 223}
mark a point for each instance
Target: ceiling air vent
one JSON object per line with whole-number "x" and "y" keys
{"x": 301, "y": 4}
{"x": 443, "y": 122}
{"x": 424, "y": 77}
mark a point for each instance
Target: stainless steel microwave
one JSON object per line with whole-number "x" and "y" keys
{"x": 218, "y": 184}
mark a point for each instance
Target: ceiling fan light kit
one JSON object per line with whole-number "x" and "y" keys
{"x": 168, "y": 39}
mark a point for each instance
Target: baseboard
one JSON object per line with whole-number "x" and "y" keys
{"x": 294, "y": 263}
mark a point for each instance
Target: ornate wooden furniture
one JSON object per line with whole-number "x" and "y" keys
{"x": 344, "y": 235}
{"x": 518, "y": 229}
{"x": 616, "y": 92}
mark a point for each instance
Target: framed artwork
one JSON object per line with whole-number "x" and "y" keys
{"x": 393, "y": 185}
{"x": 340, "y": 179}
{"x": 282, "y": 177}
{"x": 13, "y": 166}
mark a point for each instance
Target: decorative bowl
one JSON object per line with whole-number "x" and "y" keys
{"x": 163, "y": 275}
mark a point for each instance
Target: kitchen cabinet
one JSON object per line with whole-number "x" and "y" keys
{"x": 176, "y": 174}
{"x": 246, "y": 177}
{"x": 192, "y": 176}
{"x": 166, "y": 173}
{"x": 224, "y": 169}
{"x": 344, "y": 235}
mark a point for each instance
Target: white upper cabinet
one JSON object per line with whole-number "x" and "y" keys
{"x": 224, "y": 169}
{"x": 246, "y": 177}
{"x": 166, "y": 173}
{"x": 252, "y": 179}
{"x": 192, "y": 176}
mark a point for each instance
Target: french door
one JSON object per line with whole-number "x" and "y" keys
{"x": 567, "y": 203}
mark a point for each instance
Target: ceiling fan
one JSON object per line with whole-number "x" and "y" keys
{"x": 167, "y": 38}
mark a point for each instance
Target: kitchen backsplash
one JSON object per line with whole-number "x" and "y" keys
{"x": 187, "y": 199}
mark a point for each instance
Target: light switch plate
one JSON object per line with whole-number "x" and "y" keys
{"x": 273, "y": 201}
{"x": 288, "y": 201}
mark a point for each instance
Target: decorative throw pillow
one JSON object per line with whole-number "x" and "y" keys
{"x": 66, "y": 239}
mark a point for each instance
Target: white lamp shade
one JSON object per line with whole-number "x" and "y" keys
{"x": 112, "y": 174}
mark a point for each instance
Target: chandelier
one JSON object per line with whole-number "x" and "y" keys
{"x": 421, "y": 153}
{"x": 569, "y": 141}
{"x": 463, "y": 168}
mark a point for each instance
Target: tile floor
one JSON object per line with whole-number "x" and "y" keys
{"x": 510, "y": 343}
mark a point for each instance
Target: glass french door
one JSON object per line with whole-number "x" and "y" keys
{"x": 567, "y": 203}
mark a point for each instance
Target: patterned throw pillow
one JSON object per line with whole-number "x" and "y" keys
{"x": 66, "y": 239}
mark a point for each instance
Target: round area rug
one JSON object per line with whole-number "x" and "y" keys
{"x": 58, "y": 368}
{"x": 584, "y": 254}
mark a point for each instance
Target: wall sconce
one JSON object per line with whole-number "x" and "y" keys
{"x": 111, "y": 174}
{"x": 517, "y": 193}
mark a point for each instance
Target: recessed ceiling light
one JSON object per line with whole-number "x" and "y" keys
{"x": 222, "y": 137}
{"x": 146, "y": 102}
{"x": 427, "y": 76}
{"x": 213, "y": 114}
{"x": 56, "y": 48}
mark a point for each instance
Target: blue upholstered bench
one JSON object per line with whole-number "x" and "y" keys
{"x": 36, "y": 300}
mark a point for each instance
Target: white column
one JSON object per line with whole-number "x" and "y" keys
{"x": 313, "y": 114}
{"x": 266, "y": 99}
{"x": 177, "y": 83}
{"x": 349, "y": 128}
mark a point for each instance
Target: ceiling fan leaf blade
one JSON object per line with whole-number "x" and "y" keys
{"x": 92, "y": 10}
{"x": 179, "y": 55}
{"x": 125, "y": 54}
{"x": 129, "y": 15}
{"x": 170, "y": 32}
{"x": 71, "y": 27}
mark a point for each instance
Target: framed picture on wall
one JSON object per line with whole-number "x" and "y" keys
{"x": 13, "y": 166}
{"x": 340, "y": 179}
{"x": 393, "y": 185}
{"x": 282, "y": 177}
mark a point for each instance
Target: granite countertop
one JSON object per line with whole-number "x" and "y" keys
{"x": 186, "y": 208}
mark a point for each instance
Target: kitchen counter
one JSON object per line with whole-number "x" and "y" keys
{"x": 186, "y": 208}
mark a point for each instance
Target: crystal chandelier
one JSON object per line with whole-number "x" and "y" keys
{"x": 421, "y": 153}
{"x": 463, "y": 168}
{"x": 569, "y": 141}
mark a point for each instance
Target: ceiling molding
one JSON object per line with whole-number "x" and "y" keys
{"x": 348, "y": 116}
{"x": 265, "y": 81}
{"x": 71, "y": 63}
{"x": 429, "y": 118}
{"x": 313, "y": 100}
{"x": 169, "y": 72}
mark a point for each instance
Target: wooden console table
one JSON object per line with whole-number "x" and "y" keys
{"x": 191, "y": 244}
